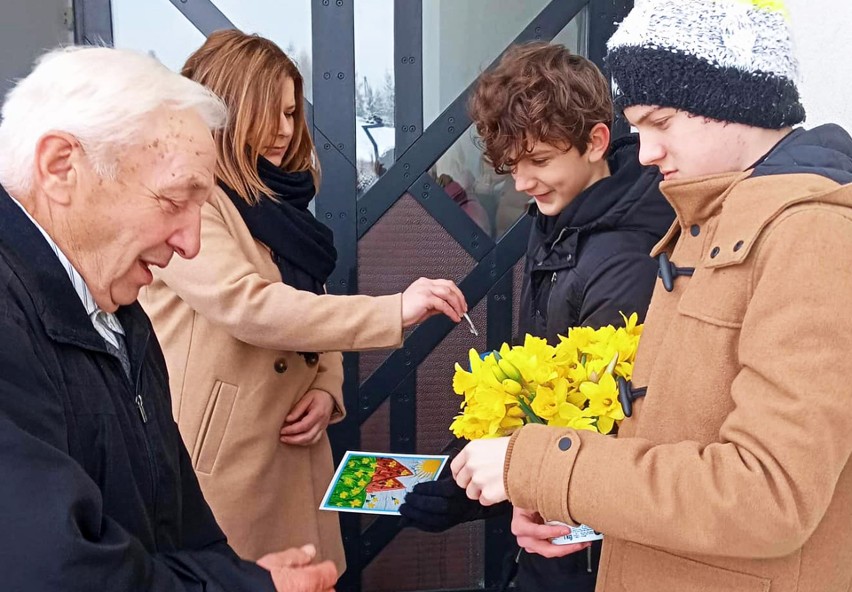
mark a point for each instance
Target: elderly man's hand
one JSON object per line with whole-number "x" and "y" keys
{"x": 292, "y": 571}
{"x": 534, "y": 535}
{"x": 478, "y": 469}
{"x": 425, "y": 298}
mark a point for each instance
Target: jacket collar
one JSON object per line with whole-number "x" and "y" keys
{"x": 695, "y": 201}
{"x": 56, "y": 302}
{"x": 603, "y": 204}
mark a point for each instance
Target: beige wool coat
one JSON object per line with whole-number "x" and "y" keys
{"x": 733, "y": 474}
{"x": 230, "y": 330}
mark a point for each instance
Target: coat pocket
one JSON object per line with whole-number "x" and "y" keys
{"x": 718, "y": 296}
{"x": 214, "y": 422}
{"x": 649, "y": 570}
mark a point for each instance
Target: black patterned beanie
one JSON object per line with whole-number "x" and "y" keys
{"x": 728, "y": 60}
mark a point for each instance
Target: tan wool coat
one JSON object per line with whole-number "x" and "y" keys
{"x": 230, "y": 330}
{"x": 733, "y": 474}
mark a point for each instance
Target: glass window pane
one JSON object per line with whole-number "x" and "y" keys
{"x": 158, "y": 28}
{"x": 155, "y": 27}
{"x": 287, "y": 24}
{"x": 375, "y": 135}
{"x": 464, "y": 163}
{"x": 460, "y": 39}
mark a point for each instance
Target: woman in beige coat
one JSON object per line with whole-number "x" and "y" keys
{"x": 250, "y": 338}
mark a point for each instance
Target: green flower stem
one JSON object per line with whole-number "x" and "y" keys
{"x": 531, "y": 416}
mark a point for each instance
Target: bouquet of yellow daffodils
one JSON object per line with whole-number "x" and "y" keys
{"x": 572, "y": 384}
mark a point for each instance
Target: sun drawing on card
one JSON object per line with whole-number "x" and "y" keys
{"x": 426, "y": 469}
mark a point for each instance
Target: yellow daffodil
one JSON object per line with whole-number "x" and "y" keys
{"x": 509, "y": 424}
{"x": 576, "y": 397}
{"x": 538, "y": 348}
{"x": 571, "y": 385}
{"x": 578, "y": 338}
{"x": 603, "y": 402}
{"x": 630, "y": 324}
{"x": 546, "y": 402}
{"x": 571, "y": 416}
{"x": 464, "y": 381}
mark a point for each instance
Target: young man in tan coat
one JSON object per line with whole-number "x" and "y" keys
{"x": 733, "y": 472}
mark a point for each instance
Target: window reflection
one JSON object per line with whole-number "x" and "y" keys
{"x": 375, "y": 134}
{"x": 463, "y": 162}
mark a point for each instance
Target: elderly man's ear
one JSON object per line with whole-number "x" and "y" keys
{"x": 57, "y": 159}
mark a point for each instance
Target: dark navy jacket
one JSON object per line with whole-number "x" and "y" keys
{"x": 91, "y": 495}
{"x": 583, "y": 267}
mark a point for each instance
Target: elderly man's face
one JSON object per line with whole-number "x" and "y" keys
{"x": 117, "y": 229}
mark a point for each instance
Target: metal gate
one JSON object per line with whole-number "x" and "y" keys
{"x": 390, "y": 228}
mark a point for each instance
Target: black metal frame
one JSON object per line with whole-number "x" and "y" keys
{"x": 332, "y": 118}
{"x": 92, "y": 22}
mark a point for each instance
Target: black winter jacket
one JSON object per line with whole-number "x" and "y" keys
{"x": 583, "y": 267}
{"x": 592, "y": 260}
{"x": 92, "y": 495}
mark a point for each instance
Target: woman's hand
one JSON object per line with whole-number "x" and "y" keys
{"x": 306, "y": 423}
{"x": 425, "y": 298}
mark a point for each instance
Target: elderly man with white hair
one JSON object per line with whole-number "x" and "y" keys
{"x": 105, "y": 160}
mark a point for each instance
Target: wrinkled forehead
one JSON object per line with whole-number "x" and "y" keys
{"x": 171, "y": 130}
{"x": 176, "y": 145}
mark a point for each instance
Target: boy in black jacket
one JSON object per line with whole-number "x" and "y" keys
{"x": 544, "y": 116}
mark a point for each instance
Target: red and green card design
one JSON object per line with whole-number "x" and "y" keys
{"x": 376, "y": 483}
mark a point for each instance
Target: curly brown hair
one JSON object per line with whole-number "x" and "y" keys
{"x": 538, "y": 93}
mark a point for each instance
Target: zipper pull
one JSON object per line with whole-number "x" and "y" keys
{"x": 553, "y": 279}
{"x": 589, "y": 559}
{"x": 141, "y": 406}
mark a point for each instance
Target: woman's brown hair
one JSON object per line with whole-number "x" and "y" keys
{"x": 538, "y": 93}
{"x": 247, "y": 71}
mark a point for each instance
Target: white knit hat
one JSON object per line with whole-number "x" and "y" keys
{"x": 729, "y": 60}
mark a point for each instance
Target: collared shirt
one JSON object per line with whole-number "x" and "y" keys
{"x": 105, "y": 323}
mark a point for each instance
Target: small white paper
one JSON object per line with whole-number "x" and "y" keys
{"x": 578, "y": 534}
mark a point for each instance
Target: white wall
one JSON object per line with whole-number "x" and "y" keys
{"x": 823, "y": 34}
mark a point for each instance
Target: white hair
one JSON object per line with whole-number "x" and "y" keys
{"x": 101, "y": 96}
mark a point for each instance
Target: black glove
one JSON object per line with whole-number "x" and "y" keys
{"x": 435, "y": 506}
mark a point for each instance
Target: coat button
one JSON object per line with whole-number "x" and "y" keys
{"x": 714, "y": 252}
{"x": 738, "y": 246}
{"x": 564, "y": 444}
{"x": 280, "y": 365}
{"x": 695, "y": 230}
{"x": 311, "y": 358}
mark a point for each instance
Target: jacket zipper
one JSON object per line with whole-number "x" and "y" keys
{"x": 549, "y": 296}
{"x": 152, "y": 465}
{"x": 141, "y": 405}
{"x": 143, "y": 415}
{"x": 553, "y": 278}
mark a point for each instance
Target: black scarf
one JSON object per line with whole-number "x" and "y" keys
{"x": 302, "y": 247}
